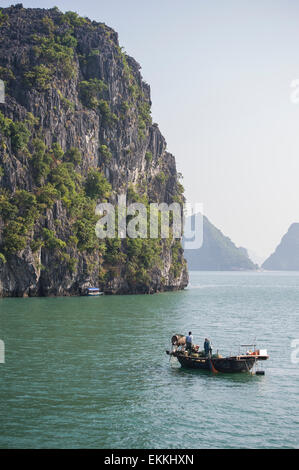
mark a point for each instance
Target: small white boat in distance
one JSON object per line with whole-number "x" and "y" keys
{"x": 94, "y": 291}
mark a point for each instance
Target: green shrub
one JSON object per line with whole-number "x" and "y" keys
{"x": 51, "y": 241}
{"x": 36, "y": 244}
{"x": 17, "y": 131}
{"x": 73, "y": 241}
{"x": 19, "y": 212}
{"x": 114, "y": 254}
{"x": 2, "y": 259}
{"x": 176, "y": 265}
{"x": 161, "y": 177}
{"x": 7, "y": 209}
{"x": 3, "y": 18}
{"x": 14, "y": 237}
{"x": 48, "y": 25}
{"x": 25, "y": 202}
{"x": 5, "y": 125}
{"x": 180, "y": 188}
{"x": 68, "y": 40}
{"x": 73, "y": 155}
{"x": 83, "y": 210}
{"x": 73, "y": 19}
{"x": 67, "y": 104}
{"x": 47, "y": 195}
{"x": 85, "y": 233}
{"x": 41, "y": 160}
{"x": 57, "y": 55}
{"x": 91, "y": 91}
{"x": 40, "y": 77}
{"x": 31, "y": 121}
{"x": 149, "y": 157}
{"x": 6, "y": 74}
{"x": 57, "y": 151}
{"x": 63, "y": 178}
{"x": 142, "y": 256}
{"x": 144, "y": 111}
{"x": 94, "y": 52}
{"x": 107, "y": 115}
{"x": 124, "y": 107}
{"x": 133, "y": 196}
{"x": 19, "y": 134}
{"x": 71, "y": 263}
{"x": 96, "y": 185}
{"x": 105, "y": 153}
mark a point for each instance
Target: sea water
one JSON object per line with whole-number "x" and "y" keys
{"x": 92, "y": 371}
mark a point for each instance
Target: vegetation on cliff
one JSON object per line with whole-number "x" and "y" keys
{"x": 75, "y": 130}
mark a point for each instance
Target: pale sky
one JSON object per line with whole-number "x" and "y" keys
{"x": 220, "y": 74}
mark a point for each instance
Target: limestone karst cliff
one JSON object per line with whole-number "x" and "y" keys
{"x": 217, "y": 253}
{"x": 286, "y": 255}
{"x": 75, "y": 130}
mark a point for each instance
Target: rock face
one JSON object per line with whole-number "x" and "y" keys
{"x": 218, "y": 253}
{"x": 286, "y": 255}
{"x": 76, "y": 130}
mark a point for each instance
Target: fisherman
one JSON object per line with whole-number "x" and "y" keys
{"x": 207, "y": 347}
{"x": 189, "y": 341}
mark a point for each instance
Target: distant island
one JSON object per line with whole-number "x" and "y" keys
{"x": 218, "y": 253}
{"x": 286, "y": 255}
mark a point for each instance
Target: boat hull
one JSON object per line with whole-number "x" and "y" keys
{"x": 229, "y": 365}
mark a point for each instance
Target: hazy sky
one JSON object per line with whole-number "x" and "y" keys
{"x": 220, "y": 74}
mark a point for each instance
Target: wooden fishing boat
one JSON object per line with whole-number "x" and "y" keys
{"x": 216, "y": 363}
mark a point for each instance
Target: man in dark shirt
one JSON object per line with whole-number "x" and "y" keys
{"x": 207, "y": 347}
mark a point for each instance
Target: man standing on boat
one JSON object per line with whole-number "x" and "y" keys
{"x": 207, "y": 347}
{"x": 189, "y": 341}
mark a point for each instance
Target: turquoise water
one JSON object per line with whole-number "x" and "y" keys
{"x": 92, "y": 372}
